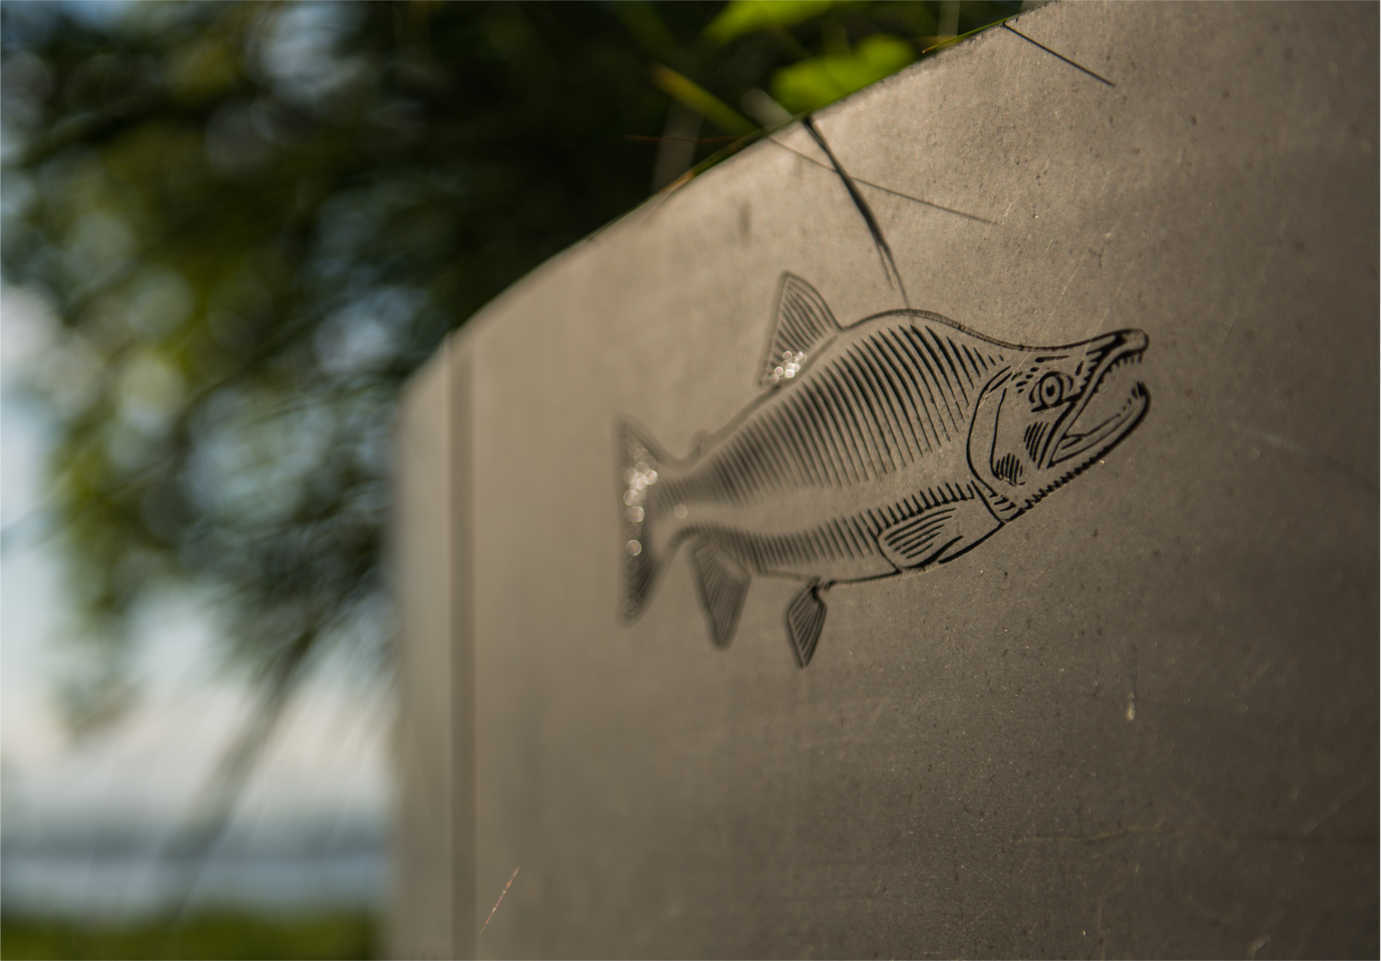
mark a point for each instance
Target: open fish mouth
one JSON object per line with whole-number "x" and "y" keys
{"x": 1111, "y": 406}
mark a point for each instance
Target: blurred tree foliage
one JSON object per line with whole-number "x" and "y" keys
{"x": 254, "y": 221}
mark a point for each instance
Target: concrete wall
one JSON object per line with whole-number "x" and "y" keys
{"x": 434, "y": 851}
{"x": 1139, "y": 719}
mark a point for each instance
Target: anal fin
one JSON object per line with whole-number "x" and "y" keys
{"x": 805, "y": 617}
{"x": 937, "y": 535}
{"x": 723, "y": 584}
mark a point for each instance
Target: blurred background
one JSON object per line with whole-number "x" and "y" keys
{"x": 228, "y": 234}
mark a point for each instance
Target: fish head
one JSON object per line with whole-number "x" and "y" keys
{"x": 1051, "y": 412}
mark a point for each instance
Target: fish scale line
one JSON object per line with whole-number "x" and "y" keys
{"x": 849, "y": 428}
{"x": 853, "y": 377}
{"x": 871, "y": 352}
{"x": 923, "y": 345}
{"x": 816, "y": 404}
{"x": 917, "y": 366}
{"x": 955, "y": 362}
{"x": 941, "y": 348}
{"x": 954, "y": 390}
{"x": 810, "y": 432}
{"x": 776, "y": 455}
{"x": 904, "y": 453}
{"x": 798, "y": 430}
{"x": 839, "y": 433}
{"x": 864, "y": 441}
{"x": 886, "y": 392}
{"x": 861, "y": 436}
{"x": 937, "y": 410}
{"x": 750, "y": 457}
{"x": 893, "y": 348}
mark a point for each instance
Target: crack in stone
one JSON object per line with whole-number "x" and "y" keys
{"x": 1054, "y": 53}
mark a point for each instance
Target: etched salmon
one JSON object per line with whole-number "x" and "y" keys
{"x": 894, "y": 444}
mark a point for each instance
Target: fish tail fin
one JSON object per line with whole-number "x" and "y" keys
{"x": 640, "y": 463}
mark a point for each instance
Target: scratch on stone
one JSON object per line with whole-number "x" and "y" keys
{"x": 500, "y": 901}
{"x": 889, "y": 264}
{"x": 1209, "y": 831}
{"x": 1256, "y": 676}
{"x": 1223, "y": 920}
{"x": 888, "y": 190}
{"x": 1267, "y": 265}
{"x": 1257, "y": 944}
{"x": 1294, "y": 447}
{"x": 1135, "y": 672}
{"x": 1098, "y": 927}
{"x": 1077, "y": 66}
{"x": 1330, "y": 812}
{"x": 1275, "y": 440}
{"x": 1095, "y": 838}
{"x": 1308, "y": 935}
{"x": 877, "y": 713}
{"x": 1078, "y": 265}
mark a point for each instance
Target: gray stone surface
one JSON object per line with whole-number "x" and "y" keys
{"x": 1141, "y": 719}
{"x": 434, "y": 851}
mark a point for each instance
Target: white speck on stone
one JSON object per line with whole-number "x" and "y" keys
{"x": 792, "y": 362}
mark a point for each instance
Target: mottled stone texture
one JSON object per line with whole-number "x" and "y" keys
{"x": 1141, "y": 719}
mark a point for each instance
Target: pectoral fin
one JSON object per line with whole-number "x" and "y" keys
{"x": 938, "y": 534}
{"x": 802, "y": 324}
{"x": 723, "y": 585}
{"x": 805, "y": 617}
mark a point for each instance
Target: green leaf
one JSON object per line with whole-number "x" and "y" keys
{"x": 745, "y": 16}
{"x": 819, "y": 81}
{"x": 695, "y": 97}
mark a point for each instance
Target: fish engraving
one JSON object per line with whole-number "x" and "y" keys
{"x": 894, "y": 444}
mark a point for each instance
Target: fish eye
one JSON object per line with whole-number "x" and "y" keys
{"x": 1050, "y": 390}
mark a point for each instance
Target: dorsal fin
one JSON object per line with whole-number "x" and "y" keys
{"x": 803, "y": 322}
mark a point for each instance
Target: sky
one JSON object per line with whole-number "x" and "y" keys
{"x": 329, "y": 760}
